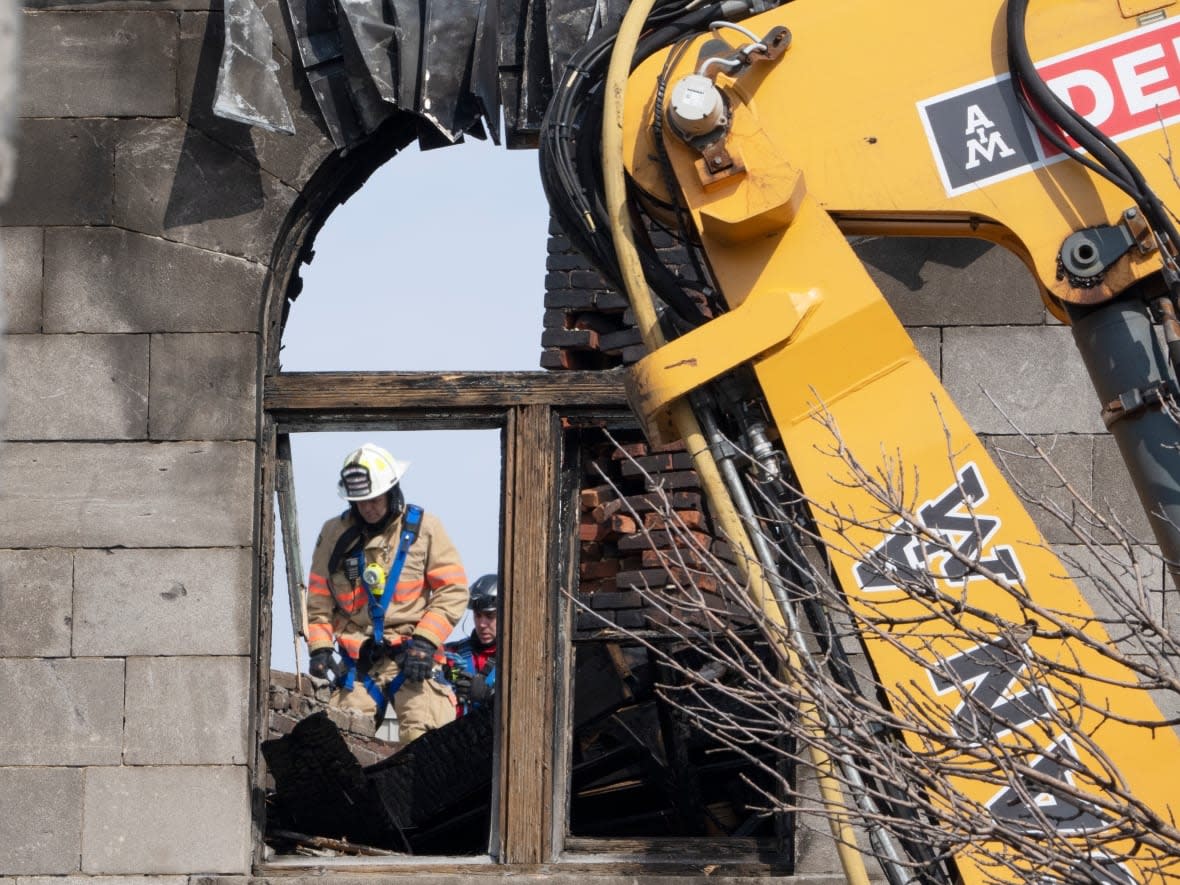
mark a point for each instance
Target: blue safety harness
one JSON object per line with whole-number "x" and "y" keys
{"x": 379, "y": 598}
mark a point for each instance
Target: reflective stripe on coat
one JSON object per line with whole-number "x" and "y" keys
{"x": 428, "y": 600}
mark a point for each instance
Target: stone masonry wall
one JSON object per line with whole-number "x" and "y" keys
{"x": 138, "y": 240}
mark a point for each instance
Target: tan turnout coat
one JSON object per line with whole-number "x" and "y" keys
{"x": 430, "y": 596}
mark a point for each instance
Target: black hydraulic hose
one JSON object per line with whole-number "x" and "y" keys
{"x": 1035, "y": 95}
{"x": 577, "y": 101}
{"x": 570, "y": 164}
{"x": 1111, "y": 161}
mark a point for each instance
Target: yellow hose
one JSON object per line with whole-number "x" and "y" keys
{"x": 724, "y": 511}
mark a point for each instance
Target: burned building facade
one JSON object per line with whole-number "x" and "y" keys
{"x": 152, "y": 241}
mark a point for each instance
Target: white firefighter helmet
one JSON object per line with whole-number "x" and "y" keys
{"x": 369, "y": 472}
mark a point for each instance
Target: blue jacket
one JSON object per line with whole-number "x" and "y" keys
{"x": 463, "y": 655}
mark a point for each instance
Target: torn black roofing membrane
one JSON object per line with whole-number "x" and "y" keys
{"x": 455, "y": 64}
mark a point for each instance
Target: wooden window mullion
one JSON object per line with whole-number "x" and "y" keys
{"x": 526, "y": 695}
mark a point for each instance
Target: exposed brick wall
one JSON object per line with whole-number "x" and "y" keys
{"x": 587, "y": 324}
{"x": 630, "y": 491}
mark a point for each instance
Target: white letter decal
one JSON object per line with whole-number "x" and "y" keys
{"x": 1097, "y": 86}
{"x": 984, "y": 143}
{"x": 977, "y": 119}
{"x": 1133, "y": 81}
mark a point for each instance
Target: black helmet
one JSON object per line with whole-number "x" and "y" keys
{"x": 485, "y": 591}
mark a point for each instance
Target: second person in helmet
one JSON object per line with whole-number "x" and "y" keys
{"x": 386, "y": 587}
{"x": 471, "y": 662}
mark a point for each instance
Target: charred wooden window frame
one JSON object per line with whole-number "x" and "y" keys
{"x": 540, "y": 415}
{"x": 732, "y": 855}
{"x": 530, "y": 409}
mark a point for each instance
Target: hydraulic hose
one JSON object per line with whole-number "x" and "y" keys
{"x": 1109, "y": 160}
{"x": 726, "y": 515}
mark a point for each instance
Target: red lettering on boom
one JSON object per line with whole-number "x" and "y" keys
{"x": 1123, "y": 87}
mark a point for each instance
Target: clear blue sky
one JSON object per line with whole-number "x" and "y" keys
{"x": 438, "y": 262}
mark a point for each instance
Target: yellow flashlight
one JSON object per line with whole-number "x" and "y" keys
{"x": 374, "y": 578}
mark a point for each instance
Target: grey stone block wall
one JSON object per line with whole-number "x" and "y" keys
{"x": 187, "y": 711}
{"x": 63, "y": 176}
{"x": 106, "y": 279}
{"x": 36, "y": 603}
{"x": 162, "y": 601}
{"x": 76, "y": 387}
{"x": 217, "y": 373}
{"x": 137, "y": 494}
{"x": 127, "y": 70}
{"x": 63, "y": 711}
{"x": 22, "y": 253}
{"x": 138, "y": 240}
{"x": 40, "y": 819}
{"x": 1019, "y": 378}
{"x": 163, "y": 807}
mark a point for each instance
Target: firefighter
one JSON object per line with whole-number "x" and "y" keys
{"x": 471, "y": 662}
{"x": 387, "y": 588}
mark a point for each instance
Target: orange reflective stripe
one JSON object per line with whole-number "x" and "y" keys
{"x": 446, "y": 574}
{"x": 408, "y": 591}
{"x": 353, "y": 601}
{"x": 434, "y": 625}
{"x": 318, "y": 585}
{"x": 351, "y": 645}
{"x": 319, "y": 633}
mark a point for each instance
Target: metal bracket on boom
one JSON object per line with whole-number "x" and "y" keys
{"x": 699, "y": 112}
{"x": 762, "y": 321}
{"x": 1086, "y": 254}
{"x": 1132, "y": 402}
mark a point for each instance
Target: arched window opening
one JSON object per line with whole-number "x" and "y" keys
{"x": 422, "y": 353}
{"x": 436, "y": 267}
{"x": 436, "y": 264}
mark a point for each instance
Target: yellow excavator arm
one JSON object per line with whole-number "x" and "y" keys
{"x": 1048, "y": 128}
{"x": 905, "y": 120}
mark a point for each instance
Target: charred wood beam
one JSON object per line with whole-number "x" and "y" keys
{"x": 316, "y": 399}
{"x": 289, "y": 523}
{"x": 323, "y": 846}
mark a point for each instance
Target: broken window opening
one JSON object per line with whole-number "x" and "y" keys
{"x": 420, "y": 270}
{"x": 546, "y": 418}
{"x": 641, "y": 770}
{"x": 430, "y": 797}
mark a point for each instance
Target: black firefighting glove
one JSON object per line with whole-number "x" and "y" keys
{"x": 478, "y": 689}
{"x": 473, "y": 687}
{"x": 418, "y": 659}
{"x": 319, "y": 664}
{"x": 370, "y": 654}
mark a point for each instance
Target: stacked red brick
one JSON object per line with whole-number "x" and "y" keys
{"x": 587, "y": 324}
{"x": 630, "y": 493}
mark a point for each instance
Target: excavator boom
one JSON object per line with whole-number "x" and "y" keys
{"x": 769, "y": 142}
